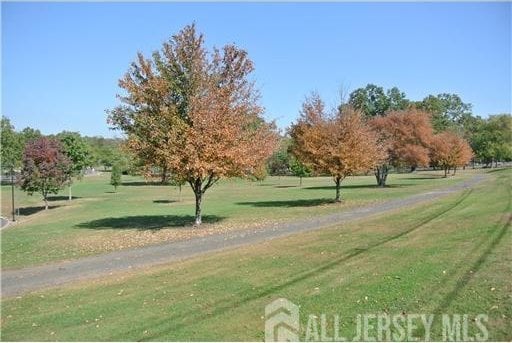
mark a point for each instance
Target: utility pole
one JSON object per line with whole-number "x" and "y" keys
{"x": 12, "y": 193}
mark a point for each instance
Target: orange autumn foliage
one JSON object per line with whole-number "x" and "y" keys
{"x": 448, "y": 150}
{"x": 339, "y": 144}
{"x": 407, "y": 135}
{"x": 195, "y": 114}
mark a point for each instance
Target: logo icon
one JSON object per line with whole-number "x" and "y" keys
{"x": 281, "y": 321}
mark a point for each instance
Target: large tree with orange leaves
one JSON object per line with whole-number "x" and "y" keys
{"x": 406, "y": 134}
{"x": 195, "y": 113}
{"x": 338, "y": 143}
{"x": 448, "y": 150}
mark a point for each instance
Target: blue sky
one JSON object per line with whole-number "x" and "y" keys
{"x": 61, "y": 61}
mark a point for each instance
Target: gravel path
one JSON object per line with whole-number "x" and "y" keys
{"x": 16, "y": 282}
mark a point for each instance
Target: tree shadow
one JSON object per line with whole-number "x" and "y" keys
{"x": 333, "y": 188}
{"x": 163, "y": 201}
{"x": 286, "y": 186}
{"x": 498, "y": 169}
{"x": 27, "y": 211}
{"x": 61, "y": 197}
{"x": 142, "y": 183}
{"x": 288, "y": 203}
{"x": 146, "y": 222}
{"x": 424, "y": 177}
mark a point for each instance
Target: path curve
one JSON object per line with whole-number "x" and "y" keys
{"x": 4, "y": 222}
{"x": 16, "y": 282}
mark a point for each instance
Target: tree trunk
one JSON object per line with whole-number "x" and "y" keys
{"x": 381, "y": 174}
{"x": 45, "y": 203}
{"x": 454, "y": 170}
{"x": 164, "y": 175}
{"x": 337, "y": 180}
{"x": 445, "y": 171}
{"x": 199, "y": 196}
{"x": 70, "y": 197}
{"x": 300, "y": 181}
{"x": 179, "y": 193}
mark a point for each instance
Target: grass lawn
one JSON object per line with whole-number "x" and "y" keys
{"x": 450, "y": 256}
{"x": 99, "y": 220}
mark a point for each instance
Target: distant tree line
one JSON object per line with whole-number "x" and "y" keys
{"x": 490, "y": 138}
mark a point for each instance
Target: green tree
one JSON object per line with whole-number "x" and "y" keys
{"x": 11, "y": 145}
{"x": 448, "y": 112}
{"x": 279, "y": 163}
{"x": 492, "y": 139}
{"x": 299, "y": 169}
{"x": 78, "y": 152}
{"x": 115, "y": 176}
{"x": 373, "y": 101}
{"x": 29, "y": 134}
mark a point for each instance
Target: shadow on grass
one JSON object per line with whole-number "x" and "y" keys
{"x": 27, "y": 211}
{"x": 286, "y": 186}
{"x": 164, "y": 201}
{"x": 333, "y": 188}
{"x": 146, "y": 222}
{"x": 433, "y": 177}
{"x": 288, "y": 203}
{"x": 142, "y": 183}
{"x": 223, "y": 306}
{"x": 61, "y": 197}
{"x": 497, "y": 170}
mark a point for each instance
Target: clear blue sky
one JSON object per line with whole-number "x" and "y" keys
{"x": 61, "y": 61}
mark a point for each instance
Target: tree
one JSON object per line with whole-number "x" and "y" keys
{"x": 29, "y": 134}
{"x": 299, "y": 169}
{"x": 448, "y": 150}
{"x": 373, "y": 101}
{"x": 194, "y": 111}
{"x": 45, "y": 168}
{"x": 406, "y": 135}
{"x": 448, "y": 111}
{"x": 339, "y": 144}
{"x": 260, "y": 173}
{"x": 11, "y": 145}
{"x": 115, "y": 176}
{"x": 279, "y": 163}
{"x": 78, "y": 152}
{"x": 492, "y": 139}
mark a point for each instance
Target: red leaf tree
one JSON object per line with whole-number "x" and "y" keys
{"x": 45, "y": 168}
{"x": 406, "y": 135}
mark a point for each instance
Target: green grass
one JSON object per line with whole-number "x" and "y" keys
{"x": 449, "y": 256}
{"x": 138, "y": 214}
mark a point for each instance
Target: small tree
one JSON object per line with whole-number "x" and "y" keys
{"x": 115, "y": 176}
{"x": 260, "y": 173}
{"x": 340, "y": 144}
{"x": 299, "y": 169}
{"x": 45, "y": 168}
{"x": 448, "y": 151}
{"x": 78, "y": 152}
